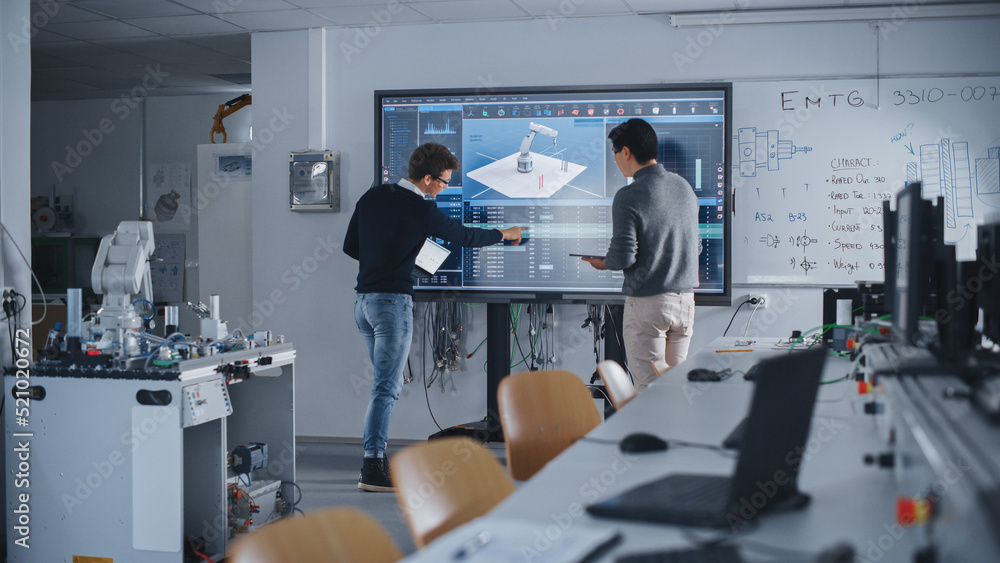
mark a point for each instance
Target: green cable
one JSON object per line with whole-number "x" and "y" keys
{"x": 477, "y": 348}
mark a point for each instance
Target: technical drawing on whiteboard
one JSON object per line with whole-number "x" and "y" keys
{"x": 525, "y": 174}
{"x": 803, "y": 240}
{"x": 763, "y": 150}
{"x": 988, "y": 172}
{"x": 772, "y": 241}
{"x": 946, "y": 170}
{"x": 805, "y": 264}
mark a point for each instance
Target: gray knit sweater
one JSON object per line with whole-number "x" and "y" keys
{"x": 655, "y": 239}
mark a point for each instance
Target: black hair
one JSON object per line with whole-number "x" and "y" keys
{"x": 638, "y": 136}
{"x": 431, "y": 159}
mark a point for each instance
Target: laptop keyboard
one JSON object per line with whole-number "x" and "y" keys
{"x": 694, "y": 493}
{"x": 715, "y": 554}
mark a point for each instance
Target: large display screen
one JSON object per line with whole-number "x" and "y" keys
{"x": 540, "y": 157}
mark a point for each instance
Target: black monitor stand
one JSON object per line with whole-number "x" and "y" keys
{"x": 498, "y": 367}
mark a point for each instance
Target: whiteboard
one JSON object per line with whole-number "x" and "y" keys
{"x": 813, "y": 161}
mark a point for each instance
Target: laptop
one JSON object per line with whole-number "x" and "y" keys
{"x": 766, "y": 477}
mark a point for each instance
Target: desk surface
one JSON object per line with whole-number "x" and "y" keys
{"x": 851, "y": 502}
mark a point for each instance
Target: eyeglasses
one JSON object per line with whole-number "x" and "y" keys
{"x": 616, "y": 151}
{"x": 442, "y": 180}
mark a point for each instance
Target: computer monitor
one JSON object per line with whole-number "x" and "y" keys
{"x": 988, "y": 238}
{"x": 912, "y": 241}
{"x": 539, "y": 157}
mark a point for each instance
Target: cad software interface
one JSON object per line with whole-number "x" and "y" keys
{"x": 543, "y": 160}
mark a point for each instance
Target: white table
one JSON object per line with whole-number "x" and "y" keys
{"x": 851, "y": 502}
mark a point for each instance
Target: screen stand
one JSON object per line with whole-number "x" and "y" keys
{"x": 497, "y": 367}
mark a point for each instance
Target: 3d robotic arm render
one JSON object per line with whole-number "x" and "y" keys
{"x": 524, "y": 161}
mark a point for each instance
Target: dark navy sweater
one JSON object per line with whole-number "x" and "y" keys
{"x": 387, "y": 230}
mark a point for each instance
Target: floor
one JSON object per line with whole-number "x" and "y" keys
{"x": 328, "y": 475}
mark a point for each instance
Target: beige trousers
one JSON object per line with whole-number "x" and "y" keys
{"x": 657, "y": 330}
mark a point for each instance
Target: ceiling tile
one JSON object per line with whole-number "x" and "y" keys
{"x": 117, "y": 60}
{"x": 284, "y": 19}
{"x": 62, "y": 13}
{"x": 101, "y": 78}
{"x": 370, "y": 4}
{"x": 469, "y": 10}
{"x": 80, "y": 52}
{"x": 232, "y": 6}
{"x": 185, "y": 25}
{"x": 143, "y": 9}
{"x": 562, "y": 8}
{"x": 237, "y": 44}
{"x": 363, "y": 15}
{"x": 187, "y": 57}
{"x": 44, "y": 61}
{"x": 43, "y": 36}
{"x": 143, "y": 45}
{"x": 659, "y": 6}
{"x": 106, "y": 29}
{"x": 57, "y": 84}
{"x": 785, "y": 4}
{"x": 182, "y": 77}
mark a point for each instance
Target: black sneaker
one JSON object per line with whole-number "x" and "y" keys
{"x": 375, "y": 475}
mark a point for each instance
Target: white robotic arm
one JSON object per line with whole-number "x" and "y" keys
{"x": 122, "y": 262}
{"x": 524, "y": 163}
{"x": 121, "y": 273}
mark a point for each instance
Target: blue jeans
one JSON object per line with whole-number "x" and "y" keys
{"x": 386, "y": 322}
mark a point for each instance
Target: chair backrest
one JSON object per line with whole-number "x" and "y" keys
{"x": 332, "y": 535}
{"x": 444, "y": 483}
{"x": 616, "y": 382}
{"x": 542, "y": 413}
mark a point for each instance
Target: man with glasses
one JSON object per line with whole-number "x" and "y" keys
{"x": 386, "y": 232}
{"x": 655, "y": 242}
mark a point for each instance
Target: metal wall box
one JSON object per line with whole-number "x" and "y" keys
{"x": 314, "y": 181}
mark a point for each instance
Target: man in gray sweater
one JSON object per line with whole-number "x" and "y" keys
{"x": 655, "y": 242}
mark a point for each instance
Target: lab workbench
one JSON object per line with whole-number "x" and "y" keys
{"x": 129, "y": 465}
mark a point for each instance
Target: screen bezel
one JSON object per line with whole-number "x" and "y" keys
{"x": 576, "y": 296}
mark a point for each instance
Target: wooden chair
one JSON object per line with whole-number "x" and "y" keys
{"x": 333, "y": 535}
{"x": 444, "y": 483}
{"x": 542, "y": 413}
{"x": 617, "y": 383}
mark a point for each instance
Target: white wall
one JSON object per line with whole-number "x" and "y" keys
{"x": 15, "y": 67}
{"x": 296, "y": 258}
{"x": 15, "y": 90}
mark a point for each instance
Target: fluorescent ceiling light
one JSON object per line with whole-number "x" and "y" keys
{"x": 808, "y": 15}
